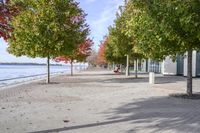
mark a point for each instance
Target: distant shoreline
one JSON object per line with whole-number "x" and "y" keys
{"x": 33, "y": 64}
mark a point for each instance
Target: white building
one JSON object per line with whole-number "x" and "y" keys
{"x": 180, "y": 66}
{"x": 168, "y": 67}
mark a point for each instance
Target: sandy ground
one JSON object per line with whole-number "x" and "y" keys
{"x": 99, "y": 102}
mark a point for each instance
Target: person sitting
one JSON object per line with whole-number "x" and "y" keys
{"x": 117, "y": 70}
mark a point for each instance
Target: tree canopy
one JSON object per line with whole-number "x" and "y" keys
{"x": 80, "y": 54}
{"x": 119, "y": 43}
{"x": 7, "y": 11}
{"x": 101, "y": 59}
{"x": 165, "y": 28}
{"x": 47, "y": 28}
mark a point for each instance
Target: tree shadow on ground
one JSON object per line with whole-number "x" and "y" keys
{"x": 47, "y": 84}
{"x": 145, "y": 79}
{"x": 126, "y": 80}
{"x": 76, "y": 80}
{"x": 79, "y": 127}
{"x": 169, "y": 79}
{"x": 97, "y": 74}
{"x": 160, "y": 114}
{"x": 110, "y": 78}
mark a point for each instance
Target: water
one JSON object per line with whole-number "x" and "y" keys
{"x": 11, "y": 74}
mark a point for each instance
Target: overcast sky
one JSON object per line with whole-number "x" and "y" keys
{"x": 101, "y": 14}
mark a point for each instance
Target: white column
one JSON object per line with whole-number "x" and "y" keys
{"x": 185, "y": 65}
{"x": 143, "y": 65}
{"x": 194, "y": 63}
{"x": 169, "y": 67}
{"x": 151, "y": 78}
{"x": 149, "y": 60}
{"x": 194, "y": 59}
{"x": 127, "y": 65}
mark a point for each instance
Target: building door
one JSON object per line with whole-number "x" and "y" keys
{"x": 180, "y": 65}
{"x": 198, "y": 64}
{"x": 155, "y": 67}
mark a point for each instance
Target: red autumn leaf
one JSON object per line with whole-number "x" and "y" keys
{"x": 7, "y": 11}
{"x": 80, "y": 54}
{"x": 101, "y": 60}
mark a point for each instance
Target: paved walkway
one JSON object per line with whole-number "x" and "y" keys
{"x": 100, "y": 102}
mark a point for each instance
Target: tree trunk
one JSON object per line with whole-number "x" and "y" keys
{"x": 189, "y": 73}
{"x": 48, "y": 71}
{"x": 147, "y": 66}
{"x": 71, "y": 68}
{"x": 127, "y": 66}
{"x": 121, "y": 68}
{"x": 136, "y": 68}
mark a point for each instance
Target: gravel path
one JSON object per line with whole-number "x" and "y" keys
{"x": 99, "y": 102}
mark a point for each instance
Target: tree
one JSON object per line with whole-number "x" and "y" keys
{"x": 111, "y": 56}
{"x": 101, "y": 60}
{"x": 80, "y": 54}
{"x": 166, "y": 28}
{"x": 47, "y": 29}
{"x": 121, "y": 45}
{"x": 7, "y": 11}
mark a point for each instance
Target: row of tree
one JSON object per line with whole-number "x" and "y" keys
{"x": 156, "y": 29}
{"x": 121, "y": 48}
{"x": 97, "y": 58}
{"x": 53, "y": 29}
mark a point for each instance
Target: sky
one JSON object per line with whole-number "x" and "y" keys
{"x": 100, "y": 15}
